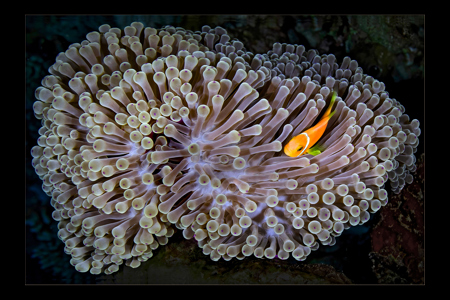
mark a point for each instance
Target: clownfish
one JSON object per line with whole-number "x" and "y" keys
{"x": 304, "y": 142}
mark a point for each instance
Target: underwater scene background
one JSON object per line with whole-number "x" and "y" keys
{"x": 387, "y": 249}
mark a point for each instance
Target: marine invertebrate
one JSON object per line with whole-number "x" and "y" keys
{"x": 145, "y": 131}
{"x": 97, "y": 128}
{"x": 396, "y": 137}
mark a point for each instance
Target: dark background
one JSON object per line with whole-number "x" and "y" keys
{"x": 388, "y": 47}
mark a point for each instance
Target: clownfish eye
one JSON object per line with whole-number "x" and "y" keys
{"x": 301, "y": 147}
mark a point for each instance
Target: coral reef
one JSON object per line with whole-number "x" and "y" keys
{"x": 398, "y": 239}
{"x": 146, "y": 131}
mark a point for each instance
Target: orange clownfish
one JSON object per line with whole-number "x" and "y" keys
{"x": 304, "y": 142}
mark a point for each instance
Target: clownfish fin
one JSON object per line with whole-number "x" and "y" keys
{"x": 327, "y": 113}
{"x": 315, "y": 150}
{"x": 330, "y": 115}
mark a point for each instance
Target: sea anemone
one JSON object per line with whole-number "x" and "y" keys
{"x": 146, "y": 131}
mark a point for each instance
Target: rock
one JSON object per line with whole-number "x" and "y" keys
{"x": 398, "y": 238}
{"x": 182, "y": 262}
